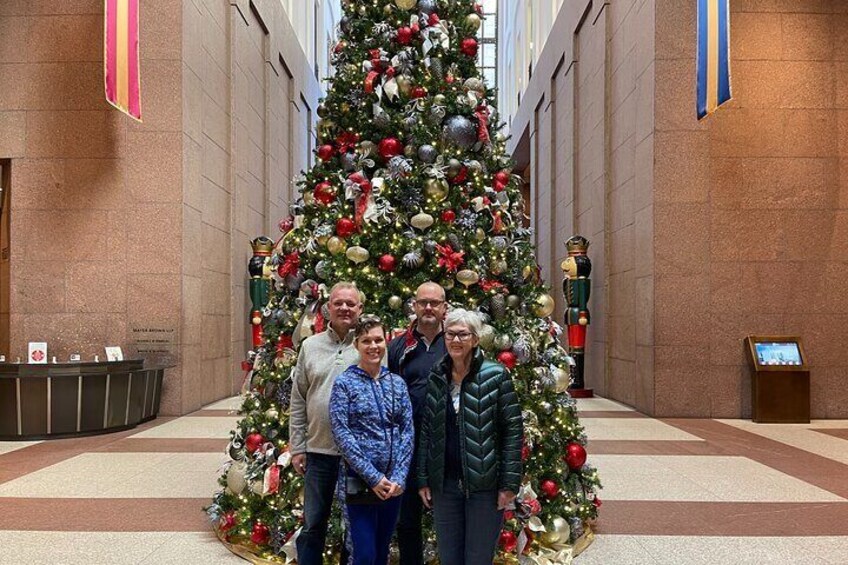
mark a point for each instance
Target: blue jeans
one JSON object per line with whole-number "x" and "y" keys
{"x": 322, "y": 473}
{"x": 467, "y": 529}
{"x": 371, "y": 529}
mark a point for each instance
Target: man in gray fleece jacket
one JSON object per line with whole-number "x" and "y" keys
{"x": 322, "y": 358}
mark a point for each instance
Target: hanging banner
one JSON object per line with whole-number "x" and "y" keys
{"x": 713, "y": 55}
{"x": 121, "y": 61}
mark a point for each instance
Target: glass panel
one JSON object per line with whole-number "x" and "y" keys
{"x": 490, "y": 76}
{"x": 490, "y": 25}
{"x": 489, "y": 55}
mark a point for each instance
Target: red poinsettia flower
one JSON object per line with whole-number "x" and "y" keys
{"x": 347, "y": 141}
{"x": 450, "y": 259}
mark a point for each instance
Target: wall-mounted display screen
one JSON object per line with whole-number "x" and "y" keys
{"x": 778, "y": 353}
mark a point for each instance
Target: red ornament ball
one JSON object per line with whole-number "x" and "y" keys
{"x": 461, "y": 176}
{"x": 525, "y": 453}
{"x": 324, "y": 192}
{"x": 387, "y": 263}
{"x": 389, "y": 147}
{"x": 508, "y": 541}
{"x": 549, "y": 488}
{"x": 228, "y": 521}
{"x": 325, "y": 152}
{"x": 434, "y": 19}
{"x": 449, "y": 216}
{"x": 498, "y": 186}
{"x": 418, "y": 92}
{"x": 575, "y": 455}
{"x": 507, "y": 359}
{"x": 260, "y": 534}
{"x": 345, "y": 227}
{"x": 253, "y": 442}
{"x": 469, "y": 47}
{"x": 502, "y": 177}
{"x": 404, "y": 35}
{"x": 415, "y": 28}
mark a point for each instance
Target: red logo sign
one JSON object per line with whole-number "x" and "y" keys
{"x": 38, "y": 355}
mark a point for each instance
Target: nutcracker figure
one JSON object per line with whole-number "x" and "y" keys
{"x": 577, "y": 267}
{"x": 260, "y": 283}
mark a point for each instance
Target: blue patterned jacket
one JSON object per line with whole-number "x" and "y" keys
{"x": 371, "y": 421}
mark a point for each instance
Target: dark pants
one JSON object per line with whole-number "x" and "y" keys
{"x": 371, "y": 529}
{"x": 409, "y": 536}
{"x": 467, "y": 529}
{"x": 322, "y": 473}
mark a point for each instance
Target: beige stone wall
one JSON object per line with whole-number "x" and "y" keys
{"x": 751, "y": 221}
{"x": 702, "y": 232}
{"x": 589, "y": 109}
{"x": 118, "y": 226}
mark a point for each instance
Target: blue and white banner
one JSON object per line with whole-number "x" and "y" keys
{"x": 713, "y": 55}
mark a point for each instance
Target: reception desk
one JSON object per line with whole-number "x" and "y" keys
{"x": 74, "y": 399}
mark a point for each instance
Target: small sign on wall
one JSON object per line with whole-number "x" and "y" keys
{"x": 37, "y": 352}
{"x": 114, "y": 354}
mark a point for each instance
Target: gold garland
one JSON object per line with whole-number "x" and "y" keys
{"x": 560, "y": 554}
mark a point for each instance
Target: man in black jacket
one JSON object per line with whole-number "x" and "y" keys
{"x": 412, "y": 355}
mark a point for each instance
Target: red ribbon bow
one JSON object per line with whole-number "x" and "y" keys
{"x": 290, "y": 265}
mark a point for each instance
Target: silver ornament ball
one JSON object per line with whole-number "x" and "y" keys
{"x": 460, "y": 131}
{"x": 428, "y": 153}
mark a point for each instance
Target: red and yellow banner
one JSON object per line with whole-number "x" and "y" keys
{"x": 123, "y": 81}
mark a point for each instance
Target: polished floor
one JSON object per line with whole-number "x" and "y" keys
{"x": 676, "y": 492}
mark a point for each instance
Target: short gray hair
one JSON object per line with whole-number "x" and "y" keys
{"x": 467, "y": 317}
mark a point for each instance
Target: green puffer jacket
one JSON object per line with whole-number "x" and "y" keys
{"x": 490, "y": 428}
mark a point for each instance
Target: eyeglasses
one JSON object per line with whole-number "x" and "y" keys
{"x": 430, "y": 303}
{"x": 461, "y": 336}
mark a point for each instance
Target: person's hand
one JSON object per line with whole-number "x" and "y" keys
{"x": 397, "y": 490}
{"x": 505, "y": 499}
{"x": 383, "y": 489}
{"x": 299, "y": 463}
{"x": 426, "y": 496}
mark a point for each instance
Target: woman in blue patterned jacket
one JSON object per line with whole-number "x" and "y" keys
{"x": 371, "y": 419}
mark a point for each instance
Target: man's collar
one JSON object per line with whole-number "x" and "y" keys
{"x": 331, "y": 331}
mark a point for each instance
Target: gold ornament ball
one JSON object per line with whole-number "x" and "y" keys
{"x": 502, "y": 342}
{"x": 272, "y": 413}
{"x": 404, "y": 84}
{"x": 473, "y": 21}
{"x": 308, "y": 198}
{"x": 363, "y": 10}
{"x": 439, "y": 100}
{"x": 447, "y": 283}
{"x": 336, "y": 245}
{"x": 467, "y": 277}
{"x": 480, "y": 235}
{"x": 498, "y": 266}
{"x": 527, "y": 272}
{"x": 388, "y": 9}
{"x": 487, "y": 337}
{"x": 513, "y": 302}
{"x": 367, "y": 148}
{"x": 406, "y": 4}
{"x": 322, "y": 240}
{"x": 544, "y": 305}
{"x": 437, "y": 189}
{"x": 422, "y": 221}
{"x": 395, "y": 302}
{"x": 235, "y": 477}
{"x": 357, "y": 254}
{"x": 410, "y": 151}
{"x": 562, "y": 380}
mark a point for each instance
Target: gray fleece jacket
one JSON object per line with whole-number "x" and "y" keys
{"x": 321, "y": 359}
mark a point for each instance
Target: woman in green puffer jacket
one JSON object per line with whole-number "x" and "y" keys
{"x": 469, "y": 449}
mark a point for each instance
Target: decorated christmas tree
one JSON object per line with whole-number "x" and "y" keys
{"x": 411, "y": 184}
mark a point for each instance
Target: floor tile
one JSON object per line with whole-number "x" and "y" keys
{"x": 615, "y": 549}
{"x": 231, "y": 403}
{"x": 195, "y": 427}
{"x": 601, "y": 404}
{"x": 800, "y": 436}
{"x": 184, "y": 548}
{"x": 10, "y": 446}
{"x": 122, "y": 475}
{"x": 632, "y": 429}
{"x": 78, "y": 548}
{"x": 700, "y": 478}
{"x": 725, "y": 550}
